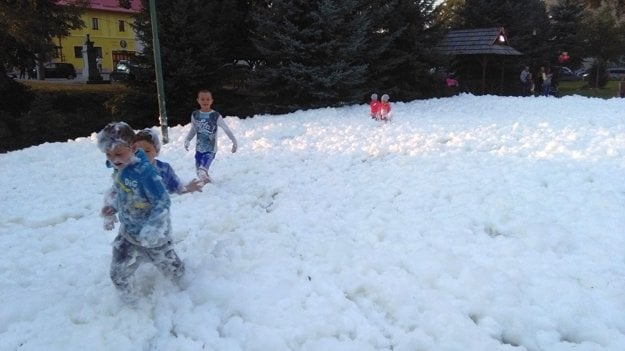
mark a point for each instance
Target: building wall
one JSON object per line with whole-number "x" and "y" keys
{"x": 109, "y": 41}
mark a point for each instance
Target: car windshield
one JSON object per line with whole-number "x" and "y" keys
{"x": 122, "y": 66}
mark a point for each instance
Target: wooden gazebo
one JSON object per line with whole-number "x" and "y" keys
{"x": 483, "y": 43}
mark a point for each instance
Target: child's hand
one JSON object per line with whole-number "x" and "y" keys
{"x": 193, "y": 186}
{"x": 234, "y": 147}
{"x": 109, "y": 222}
{"x": 108, "y": 211}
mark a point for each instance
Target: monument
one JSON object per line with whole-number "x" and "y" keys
{"x": 90, "y": 72}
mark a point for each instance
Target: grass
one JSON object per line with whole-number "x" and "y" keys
{"x": 565, "y": 87}
{"x": 581, "y": 88}
{"x": 72, "y": 86}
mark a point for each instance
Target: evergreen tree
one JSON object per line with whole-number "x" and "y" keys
{"x": 199, "y": 40}
{"x": 409, "y": 35}
{"x": 449, "y": 14}
{"x": 526, "y": 24}
{"x": 527, "y": 27}
{"x": 315, "y": 52}
{"x": 566, "y": 26}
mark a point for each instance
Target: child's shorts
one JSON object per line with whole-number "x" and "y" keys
{"x": 203, "y": 160}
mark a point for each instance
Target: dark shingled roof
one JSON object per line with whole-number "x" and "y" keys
{"x": 481, "y": 41}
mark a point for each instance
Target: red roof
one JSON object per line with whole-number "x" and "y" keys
{"x": 109, "y": 5}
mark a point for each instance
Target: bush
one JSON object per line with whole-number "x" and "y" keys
{"x": 53, "y": 116}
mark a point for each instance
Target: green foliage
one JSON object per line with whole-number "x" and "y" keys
{"x": 410, "y": 34}
{"x": 198, "y": 41}
{"x": 14, "y": 102}
{"x": 566, "y": 26}
{"x": 526, "y": 24}
{"x": 315, "y": 51}
{"x": 28, "y": 28}
{"x": 598, "y": 76}
{"x": 300, "y": 54}
{"x": 36, "y": 117}
{"x": 603, "y": 33}
{"x": 610, "y": 90}
{"x": 138, "y": 109}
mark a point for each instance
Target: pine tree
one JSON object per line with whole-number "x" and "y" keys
{"x": 566, "y": 26}
{"x": 199, "y": 40}
{"x": 409, "y": 34}
{"x": 315, "y": 52}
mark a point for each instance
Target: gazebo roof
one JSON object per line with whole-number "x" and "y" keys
{"x": 480, "y": 41}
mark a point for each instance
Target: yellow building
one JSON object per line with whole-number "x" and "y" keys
{"x": 110, "y": 28}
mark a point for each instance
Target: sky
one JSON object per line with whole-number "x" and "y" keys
{"x": 467, "y": 223}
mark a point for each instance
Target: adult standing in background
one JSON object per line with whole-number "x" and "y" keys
{"x": 525, "y": 81}
{"x": 546, "y": 76}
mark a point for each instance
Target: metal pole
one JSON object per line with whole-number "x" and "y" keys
{"x": 159, "y": 73}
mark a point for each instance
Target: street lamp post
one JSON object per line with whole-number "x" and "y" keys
{"x": 159, "y": 73}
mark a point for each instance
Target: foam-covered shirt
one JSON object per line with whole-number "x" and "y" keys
{"x": 385, "y": 108}
{"x": 204, "y": 125}
{"x": 375, "y": 107}
{"x": 168, "y": 175}
{"x": 142, "y": 203}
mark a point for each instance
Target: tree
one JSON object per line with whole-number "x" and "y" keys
{"x": 199, "y": 40}
{"x": 28, "y": 28}
{"x": 603, "y": 37}
{"x": 449, "y": 14}
{"x": 566, "y": 25}
{"x": 409, "y": 34}
{"x": 526, "y": 24}
{"x": 315, "y": 52}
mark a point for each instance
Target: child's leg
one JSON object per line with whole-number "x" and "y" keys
{"x": 203, "y": 161}
{"x": 167, "y": 261}
{"x": 125, "y": 261}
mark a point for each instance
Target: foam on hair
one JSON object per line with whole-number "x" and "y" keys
{"x": 151, "y": 136}
{"x": 114, "y": 134}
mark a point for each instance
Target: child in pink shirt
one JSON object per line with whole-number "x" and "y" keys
{"x": 385, "y": 108}
{"x": 375, "y": 106}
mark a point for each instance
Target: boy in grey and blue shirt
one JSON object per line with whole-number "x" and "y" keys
{"x": 204, "y": 124}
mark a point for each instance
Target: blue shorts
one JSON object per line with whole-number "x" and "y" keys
{"x": 204, "y": 159}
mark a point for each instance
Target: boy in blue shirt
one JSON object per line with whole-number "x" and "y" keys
{"x": 141, "y": 203}
{"x": 150, "y": 143}
{"x": 204, "y": 123}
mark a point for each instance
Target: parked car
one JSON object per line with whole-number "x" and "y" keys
{"x": 123, "y": 71}
{"x": 59, "y": 70}
{"x": 582, "y": 73}
{"x": 616, "y": 73}
{"x": 564, "y": 73}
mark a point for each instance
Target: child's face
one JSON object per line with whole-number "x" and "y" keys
{"x": 120, "y": 156}
{"x": 149, "y": 149}
{"x": 205, "y": 100}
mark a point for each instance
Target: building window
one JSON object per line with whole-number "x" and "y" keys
{"x": 122, "y": 26}
{"x": 78, "y": 51}
{"x": 94, "y": 23}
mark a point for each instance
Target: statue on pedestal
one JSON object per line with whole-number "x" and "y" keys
{"x": 90, "y": 71}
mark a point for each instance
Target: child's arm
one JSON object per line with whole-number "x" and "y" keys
{"x": 193, "y": 186}
{"x": 190, "y": 135}
{"x": 221, "y": 123}
{"x": 172, "y": 182}
{"x": 108, "y": 210}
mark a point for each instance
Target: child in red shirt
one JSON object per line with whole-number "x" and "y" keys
{"x": 385, "y": 108}
{"x": 375, "y": 106}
